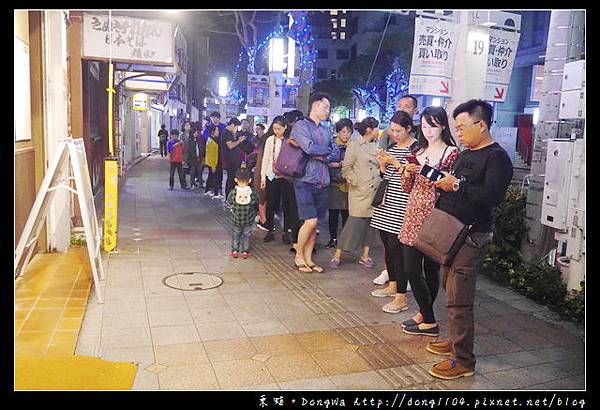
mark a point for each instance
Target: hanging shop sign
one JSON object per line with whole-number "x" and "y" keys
{"x": 258, "y": 95}
{"x": 140, "y": 102}
{"x": 133, "y": 39}
{"x": 501, "y": 58}
{"x": 433, "y": 57}
{"x": 289, "y": 93}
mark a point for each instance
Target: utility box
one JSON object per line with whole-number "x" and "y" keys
{"x": 573, "y": 76}
{"x": 559, "y": 162}
{"x": 572, "y": 99}
{"x": 572, "y": 104}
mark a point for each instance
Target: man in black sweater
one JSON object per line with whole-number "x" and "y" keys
{"x": 481, "y": 177}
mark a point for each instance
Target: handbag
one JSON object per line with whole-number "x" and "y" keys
{"x": 291, "y": 161}
{"x": 441, "y": 236}
{"x": 379, "y": 198}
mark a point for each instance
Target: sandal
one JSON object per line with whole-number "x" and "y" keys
{"x": 317, "y": 268}
{"x": 305, "y": 268}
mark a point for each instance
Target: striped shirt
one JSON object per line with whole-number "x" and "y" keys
{"x": 389, "y": 216}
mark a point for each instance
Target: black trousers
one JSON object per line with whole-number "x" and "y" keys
{"x": 282, "y": 190}
{"x": 334, "y": 217}
{"x": 179, "y": 167}
{"x": 394, "y": 260}
{"x": 230, "y": 183}
{"x": 193, "y": 171}
{"x": 214, "y": 180}
{"x": 425, "y": 288}
{"x": 163, "y": 148}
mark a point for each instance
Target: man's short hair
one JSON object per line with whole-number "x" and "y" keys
{"x": 215, "y": 114}
{"x": 262, "y": 126}
{"x": 414, "y": 100}
{"x": 174, "y": 132}
{"x": 314, "y": 97}
{"x": 478, "y": 110}
{"x": 163, "y": 126}
{"x": 234, "y": 121}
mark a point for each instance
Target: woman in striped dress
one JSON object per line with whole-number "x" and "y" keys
{"x": 389, "y": 216}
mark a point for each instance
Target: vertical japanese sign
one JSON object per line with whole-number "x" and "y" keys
{"x": 258, "y": 95}
{"x": 111, "y": 192}
{"x": 501, "y": 57}
{"x": 133, "y": 39}
{"x": 433, "y": 57}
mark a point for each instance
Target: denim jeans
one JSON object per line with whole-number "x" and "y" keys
{"x": 240, "y": 238}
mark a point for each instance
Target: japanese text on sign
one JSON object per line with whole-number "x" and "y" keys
{"x": 433, "y": 57}
{"x": 133, "y": 39}
{"x": 501, "y": 57}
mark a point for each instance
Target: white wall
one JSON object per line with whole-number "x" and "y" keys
{"x": 56, "y": 121}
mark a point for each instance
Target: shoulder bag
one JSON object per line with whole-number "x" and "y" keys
{"x": 441, "y": 236}
{"x": 291, "y": 161}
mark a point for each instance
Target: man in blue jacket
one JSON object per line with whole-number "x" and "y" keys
{"x": 316, "y": 140}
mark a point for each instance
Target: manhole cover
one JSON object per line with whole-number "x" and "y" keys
{"x": 192, "y": 281}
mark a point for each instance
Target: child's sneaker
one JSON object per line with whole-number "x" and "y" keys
{"x": 234, "y": 254}
{"x": 246, "y": 255}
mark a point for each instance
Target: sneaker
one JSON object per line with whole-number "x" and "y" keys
{"x": 218, "y": 196}
{"x": 285, "y": 238}
{"x": 367, "y": 263}
{"x": 246, "y": 255}
{"x": 331, "y": 244}
{"x": 209, "y": 193}
{"x": 393, "y": 308}
{"x": 443, "y": 348}
{"x": 261, "y": 226}
{"x": 383, "y": 278}
{"x": 383, "y": 293}
{"x": 450, "y": 369}
{"x": 415, "y": 330}
{"x": 334, "y": 263}
{"x": 171, "y": 188}
{"x": 185, "y": 187}
{"x": 269, "y": 237}
{"x": 234, "y": 254}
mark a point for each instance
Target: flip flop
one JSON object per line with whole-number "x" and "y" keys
{"x": 317, "y": 268}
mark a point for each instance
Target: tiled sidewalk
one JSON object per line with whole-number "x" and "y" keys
{"x": 271, "y": 327}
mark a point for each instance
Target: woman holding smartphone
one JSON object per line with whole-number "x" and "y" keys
{"x": 436, "y": 150}
{"x": 360, "y": 169}
{"x": 388, "y": 217}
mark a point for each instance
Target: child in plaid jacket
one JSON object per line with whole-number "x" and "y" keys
{"x": 244, "y": 207}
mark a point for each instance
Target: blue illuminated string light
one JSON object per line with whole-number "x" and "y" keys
{"x": 369, "y": 98}
{"x": 397, "y": 86}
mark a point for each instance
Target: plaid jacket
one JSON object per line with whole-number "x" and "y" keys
{"x": 243, "y": 215}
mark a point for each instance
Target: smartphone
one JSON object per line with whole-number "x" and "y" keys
{"x": 431, "y": 173}
{"x": 412, "y": 159}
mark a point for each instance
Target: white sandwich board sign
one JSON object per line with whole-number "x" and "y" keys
{"x": 70, "y": 156}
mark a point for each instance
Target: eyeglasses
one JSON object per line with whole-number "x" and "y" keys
{"x": 462, "y": 127}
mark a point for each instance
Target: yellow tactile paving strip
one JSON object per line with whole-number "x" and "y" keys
{"x": 50, "y": 301}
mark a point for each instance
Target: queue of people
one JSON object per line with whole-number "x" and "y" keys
{"x": 342, "y": 177}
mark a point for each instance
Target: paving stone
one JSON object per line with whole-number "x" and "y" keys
{"x": 237, "y": 374}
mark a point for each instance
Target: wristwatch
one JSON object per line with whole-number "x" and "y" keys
{"x": 456, "y": 185}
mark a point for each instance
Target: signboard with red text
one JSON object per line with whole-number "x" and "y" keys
{"x": 433, "y": 57}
